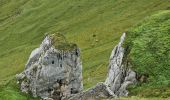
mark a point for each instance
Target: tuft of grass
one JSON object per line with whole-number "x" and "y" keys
{"x": 60, "y": 42}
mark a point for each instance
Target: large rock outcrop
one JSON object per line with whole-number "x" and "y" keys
{"x": 54, "y": 70}
{"x": 57, "y": 74}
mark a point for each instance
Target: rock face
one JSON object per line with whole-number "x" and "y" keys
{"x": 51, "y": 72}
{"x": 120, "y": 75}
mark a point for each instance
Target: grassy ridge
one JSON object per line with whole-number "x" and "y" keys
{"x": 150, "y": 53}
{"x": 24, "y": 22}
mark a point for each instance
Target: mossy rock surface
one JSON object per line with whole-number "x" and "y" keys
{"x": 59, "y": 42}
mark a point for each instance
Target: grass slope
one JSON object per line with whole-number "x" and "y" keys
{"x": 95, "y": 25}
{"x": 150, "y": 54}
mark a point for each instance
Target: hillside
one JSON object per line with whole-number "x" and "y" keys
{"x": 95, "y": 26}
{"x": 149, "y": 44}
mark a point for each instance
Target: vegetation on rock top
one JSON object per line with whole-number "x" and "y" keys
{"x": 59, "y": 42}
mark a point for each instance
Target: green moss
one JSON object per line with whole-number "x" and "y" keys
{"x": 60, "y": 42}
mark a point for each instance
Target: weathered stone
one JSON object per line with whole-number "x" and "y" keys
{"x": 98, "y": 92}
{"x": 120, "y": 74}
{"x": 52, "y": 73}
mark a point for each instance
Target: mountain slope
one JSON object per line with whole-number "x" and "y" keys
{"x": 149, "y": 44}
{"x": 94, "y": 25}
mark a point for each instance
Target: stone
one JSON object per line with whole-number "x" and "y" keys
{"x": 53, "y": 71}
{"x": 120, "y": 75}
{"x": 98, "y": 92}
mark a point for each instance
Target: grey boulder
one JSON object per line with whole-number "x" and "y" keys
{"x": 52, "y": 73}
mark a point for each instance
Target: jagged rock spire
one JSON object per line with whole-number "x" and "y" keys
{"x": 120, "y": 75}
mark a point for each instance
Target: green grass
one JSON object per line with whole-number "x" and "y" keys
{"x": 11, "y": 91}
{"x": 24, "y": 22}
{"x": 150, "y": 54}
{"x": 140, "y": 98}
